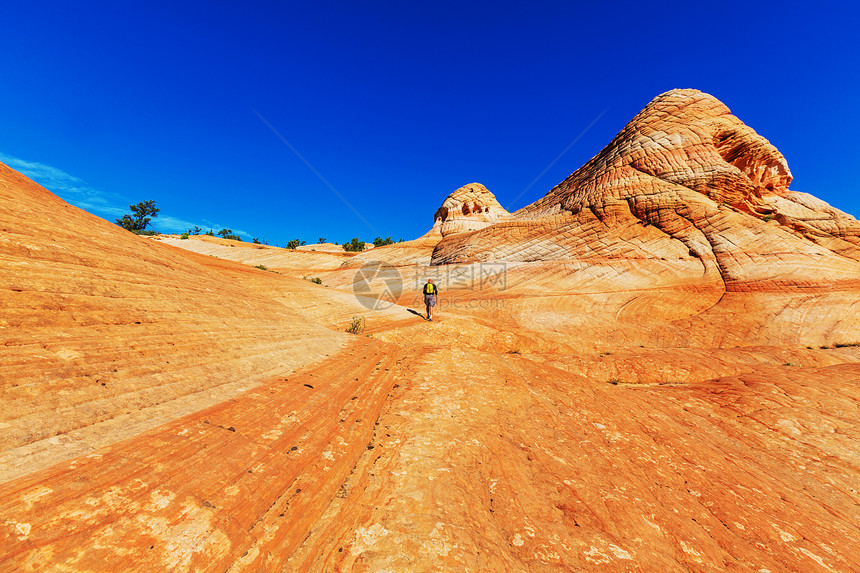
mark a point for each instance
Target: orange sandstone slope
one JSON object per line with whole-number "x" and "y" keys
{"x": 711, "y": 188}
{"x": 494, "y": 439}
{"x": 684, "y": 222}
{"x": 106, "y": 334}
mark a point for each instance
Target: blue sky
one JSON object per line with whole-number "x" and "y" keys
{"x": 383, "y": 108}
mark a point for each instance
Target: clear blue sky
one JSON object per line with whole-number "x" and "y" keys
{"x": 395, "y": 104}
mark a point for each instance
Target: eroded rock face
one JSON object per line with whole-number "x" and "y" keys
{"x": 685, "y": 181}
{"x": 663, "y": 376}
{"x": 684, "y": 138}
{"x": 106, "y": 334}
{"x": 470, "y": 208}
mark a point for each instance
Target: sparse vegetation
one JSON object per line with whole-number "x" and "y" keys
{"x": 321, "y": 240}
{"x": 356, "y": 325}
{"x": 261, "y": 267}
{"x": 845, "y": 344}
{"x": 615, "y": 381}
{"x": 228, "y": 234}
{"x": 380, "y": 242}
{"x": 295, "y": 243}
{"x": 354, "y": 246}
{"x": 140, "y": 217}
{"x": 210, "y": 232}
{"x": 183, "y": 236}
{"x": 316, "y": 280}
{"x": 514, "y": 351}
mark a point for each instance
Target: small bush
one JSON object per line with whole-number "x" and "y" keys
{"x": 356, "y": 325}
{"x": 354, "y": 246}
{"x": 846, "y": 344}
{"x": 228, "y": 234}
{"x": 261, "y": 267}
{"x": 183, "y": 236}
{"x": 615, "y": 381}
{"x": 316, "y": 280}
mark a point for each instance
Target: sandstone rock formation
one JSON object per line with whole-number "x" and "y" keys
{"x": 469, "y": 208}
{"x": 683, "y": 180}
{"x": 653, "y": 368}
{"x": 107, "y": 334}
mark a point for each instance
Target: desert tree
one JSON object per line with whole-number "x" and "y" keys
{"x": 141, "y": 215}
{"x": 354, "y": 246}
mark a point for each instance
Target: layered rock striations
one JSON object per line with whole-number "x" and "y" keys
{"x": 106, "y": 334}
{"x": 469, "y": 208}
{"x": 684, "y": 181}
{"x": 659, "y": 372}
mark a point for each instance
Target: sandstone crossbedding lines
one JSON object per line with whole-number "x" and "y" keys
{"x": 73, "y": 291}
{"x": 441, "y": 492}
{"x": 661, "y": 376}
{"x": 264, "y": 442}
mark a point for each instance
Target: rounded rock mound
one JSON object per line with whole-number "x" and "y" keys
{"x": 472, "y": 207}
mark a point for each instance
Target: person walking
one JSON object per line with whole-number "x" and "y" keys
{"x": 430, "y": 292}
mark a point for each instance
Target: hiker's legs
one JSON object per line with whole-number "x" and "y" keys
{"x": 429, "y": 311}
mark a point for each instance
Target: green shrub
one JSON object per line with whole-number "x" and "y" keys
{"x": 183, "y": 236}
{"x": 354, "y": 246}
{"x": 316, "y": 280}
{"x": 356, "y": 325}
{"x": 140, "y": 217}
{"x": 261, "y": 267}
{"x": 228, "y": 234}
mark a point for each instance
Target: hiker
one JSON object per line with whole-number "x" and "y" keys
{"x": 430, "y": 292}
